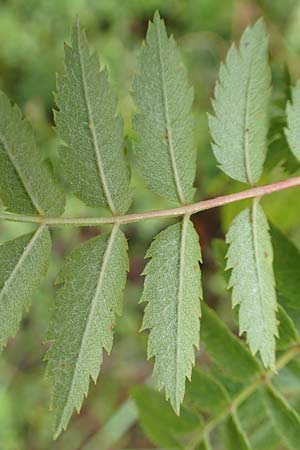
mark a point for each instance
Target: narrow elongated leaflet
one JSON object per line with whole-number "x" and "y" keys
{"x": 23, "y": 264}
{"x": 27, "y": 185}
{"x": 240, "y": 123}
{"x": 173, "y": 291}
{"x": 286, "y": 268}
{"x": 205, "y": 393}
{"x": 225, "y": 348}
{"x": 250, "y": 256}
{"x": 168, "y": 431}
{"x": 93, "y": 155}
{"x": 165, "y": 148}
{"x": 86, "y": 306}
{"x": 292, "y": 131}
{"x": 286, "y": 420}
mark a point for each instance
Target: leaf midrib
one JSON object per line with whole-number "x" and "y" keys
{"x": 246, "y": 127}
{"x": 256, "y": 256}
{"x": 20, "y": 261}
{"x": 91, "y": 127}
{"x": 93, "y": 306}
{"x": 170, "y": 146}
{"x": 27, "y": 187}
{"x": 178, "y": 358}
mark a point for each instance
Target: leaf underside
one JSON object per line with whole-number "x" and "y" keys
{"x": 250, "y": 256}
{"x": 23, "y": 264}
{"x": 93, "y": 155}
{"x": 240, "y": 122}
{"x": 173, "y": 291}
{"x": 84, "y": 316}
{"x": 165, "y": 148}
{"x": 292, "y": 131}
{"x": 27, "y": 185}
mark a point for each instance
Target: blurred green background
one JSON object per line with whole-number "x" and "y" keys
{"x": 32, "y": 33}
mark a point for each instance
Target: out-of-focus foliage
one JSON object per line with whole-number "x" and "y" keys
{"x": 31, "y": 33}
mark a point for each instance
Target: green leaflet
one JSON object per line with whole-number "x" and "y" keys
{"x": 287, "y": 331}
{"x": 236, "y": 438}
{"x": 159, "y": 422}
{"x": 250, "y": 256}
{"x": 165, "y": 149}
{"x": 173, "y": 291}
{"x": 286, "y": 268}
{"x": 240, "y": 124}
{"x": 93, "y": 280}
{"x": 27, "y": 185}
{"x": 225, "y": 348}
{"x": 23, "y": 263}
{"x": 292, "y": 131}
{"x": 206, "y": 393}
{"x": 93, "y": 156}
{"x": 286, "y": 420}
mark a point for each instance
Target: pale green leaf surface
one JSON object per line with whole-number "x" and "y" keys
{"x": 226, "y": 349}
{"x": 165, "y": 148}
{"x": 292, "y": 131}
{"x": 93, "y": 156}
{"x": 23, "y": 264}
{"x": 236, "y": 439}
{"x": 240, "y": 122}
{"x": 27, "y": 185}
{"x": 173, "y": 291}
{"x": 286, "y": 420}
{"x": 85, "y": 311}
{"x": 250, "y": 256}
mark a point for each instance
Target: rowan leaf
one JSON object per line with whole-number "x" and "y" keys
{"x": 288, "y": 333}
{"x": 226, "y": 349}
{"x": 166, "y": 432}
{"x": 286, "y": 420}
{"x": 93, "y": 155}
{"x": 236, "y": 438}
{"x": 173, "y": 291}
{"x": 250, "y": 256}
{"x": 286, "y": 268}
{"x": 23, "y": 264}
{"x": 206, "y": 393}
{"x": 240, "y": 123}
{"x": 292, "y": 131}
{"x": 85, "y": 311}
{"x": 27, "y": 185}
{"x": 165, "y": 148}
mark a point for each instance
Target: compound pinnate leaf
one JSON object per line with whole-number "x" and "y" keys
{"x": 225, "y": 348}
{"x": 164, "y": 124}
{"x": 93, "y": 156}
{"x": 173, "y": 291}
{"x": 250, "y": 256}
{"x": 240, "y": 122}
{"x": 23, "y": 264}
{"x": 292, "y": 131}
{"x": 27, "y": 185}
{"x": 93, "y": 280}
{"x": 286, "y": 420}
